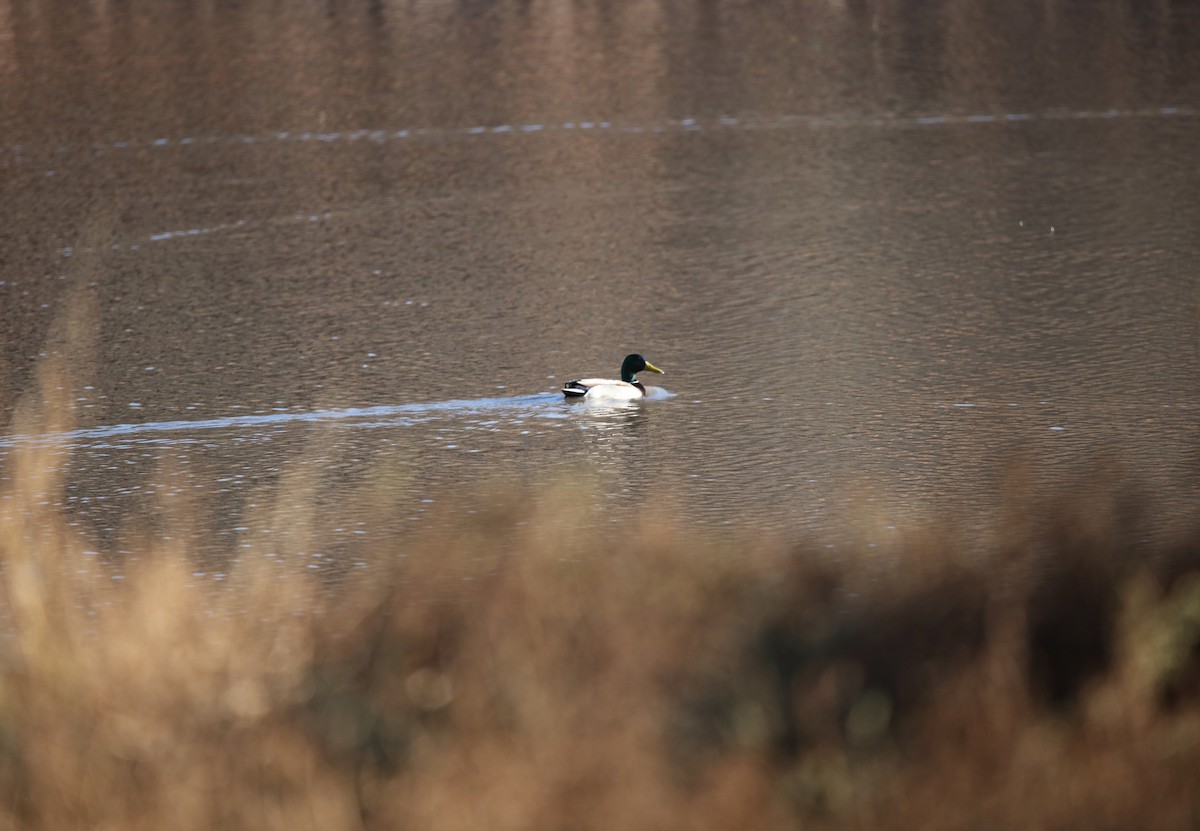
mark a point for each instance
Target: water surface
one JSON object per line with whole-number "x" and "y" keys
{"x": 883, "y": 250}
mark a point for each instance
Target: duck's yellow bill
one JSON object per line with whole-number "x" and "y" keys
{"x": 652, "y": 368}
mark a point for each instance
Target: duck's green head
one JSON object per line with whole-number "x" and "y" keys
{"x": 633, "y": 364}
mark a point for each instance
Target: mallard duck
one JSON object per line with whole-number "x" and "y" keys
{"x": 626, "y": 389}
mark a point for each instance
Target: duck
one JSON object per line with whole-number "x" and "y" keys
{"x": 627, "y": 389}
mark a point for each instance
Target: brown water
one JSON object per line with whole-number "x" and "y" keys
{"x": 882, "y": 249}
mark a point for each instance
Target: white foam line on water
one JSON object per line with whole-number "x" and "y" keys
{"x": 750, "y": 122}
{"x": 200, "y": 231}
{"x": 681, "y": 125}
{"x": 384, "y": 415}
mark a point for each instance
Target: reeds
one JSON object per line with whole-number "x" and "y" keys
{"x": 498, "y": 677}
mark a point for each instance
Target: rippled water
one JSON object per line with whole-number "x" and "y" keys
{"x": 883, "y": 250}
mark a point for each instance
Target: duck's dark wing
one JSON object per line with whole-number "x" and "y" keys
{"x": 575, "y": 389}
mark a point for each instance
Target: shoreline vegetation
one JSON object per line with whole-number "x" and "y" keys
{"x": 497, "y": 678}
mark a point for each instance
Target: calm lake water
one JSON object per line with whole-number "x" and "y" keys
{"x": 882, "y": 249}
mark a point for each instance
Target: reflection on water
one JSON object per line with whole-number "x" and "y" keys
{"x": 886, "y": 249}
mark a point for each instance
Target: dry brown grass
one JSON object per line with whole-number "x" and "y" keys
{"x": 662, "y": 681}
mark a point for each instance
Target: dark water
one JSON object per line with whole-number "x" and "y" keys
{"x": 883, "y": 250}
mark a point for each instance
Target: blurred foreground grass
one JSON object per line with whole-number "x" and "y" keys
{"x": 651, "y": 679}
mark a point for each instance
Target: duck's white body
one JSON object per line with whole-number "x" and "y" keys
{"x": 603, "y": 389}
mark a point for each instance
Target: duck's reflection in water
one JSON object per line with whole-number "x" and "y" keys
{"x": 616, "y": 438}
{"x": 612, "y": 422}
